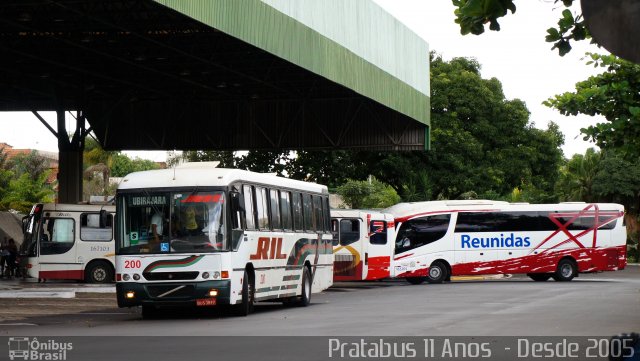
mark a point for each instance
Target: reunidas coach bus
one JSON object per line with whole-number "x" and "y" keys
{"x": 203, "y": 236}
{"x": 436, "y": 240}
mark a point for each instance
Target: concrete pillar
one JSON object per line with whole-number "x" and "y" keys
{"x": 70, "y": 160}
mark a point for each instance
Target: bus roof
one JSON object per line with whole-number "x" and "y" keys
{"x": 210, "y": 177}
{"x": 403, "y": 210}
{"x": 64, "y": 207}
{"x": 342, "y": 213}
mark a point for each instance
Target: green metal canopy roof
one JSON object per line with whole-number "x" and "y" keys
{"x": 354, "y": 43}
{"x": 220, "y": 74}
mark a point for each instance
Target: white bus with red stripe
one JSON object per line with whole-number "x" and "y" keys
{"x": 362, "y": 244}
{"x": 436, "y": 240}
{"x": 70, "y": 241}
{"x": 204, "y": 236}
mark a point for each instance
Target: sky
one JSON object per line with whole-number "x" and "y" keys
{"x": 517, "y": 55}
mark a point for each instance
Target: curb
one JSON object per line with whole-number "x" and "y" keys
{"x": 477, "y": 278}
{"x": 53, "y": 292}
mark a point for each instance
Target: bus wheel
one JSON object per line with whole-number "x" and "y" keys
{"x": 99, "y": 272}
{"x": 416, "y": 280}
{"x": 567, "y": 269}
{"x": 437, "y": 272}
{"x": 305, "y": 297}
{"x": 246, "y": 307}
{"x": 539, "y": 277}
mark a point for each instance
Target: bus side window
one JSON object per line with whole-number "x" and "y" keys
{"x": 250, "y": 214}
{"x": 298, "y": 223}
{"x": 318, "y": 214}
{"x": 262, "y": 209}
{"x": 327, "y": 215}
{"x": 61, "y": 236}
{"x": 274, "y": 201}
{"x": 378, "y": 232}
{"x": 421, "y": 231}
{"x": 90, "y": 227}
{"x": 285, "y": 210}
{"x": 307, "y": 212}
{"x": 349, "y": 231}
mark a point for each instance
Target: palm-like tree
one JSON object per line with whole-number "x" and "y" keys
{"x": 578, "y": 175}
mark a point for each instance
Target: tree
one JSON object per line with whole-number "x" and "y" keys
{"x": 472, "y": 15}
{"x": 226, "y": 158}
{"x": 368, "y": 194}
{"x": 576, "y": 181}
{"x": 31, "y": 163}
{"x": 618, "y": 181}
{"x": 481, "y": 141}
{"x": 614, "y": 94}
{"x": 27, "y": 190}
{"x": 122, "y": 165}
{"x": 482, "y": 144}
{"x": 5, "y": 175}
{"x": 100, "y": 165}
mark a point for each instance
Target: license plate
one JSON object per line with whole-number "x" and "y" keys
{"x": 203, "y": 302}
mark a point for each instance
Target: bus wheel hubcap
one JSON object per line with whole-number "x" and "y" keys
{"x": 567, "y": 270}
{"x": 99, "y": 274}
{"x": 434, "y": 272}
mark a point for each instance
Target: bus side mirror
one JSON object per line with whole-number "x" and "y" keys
{"x": 103, "y": 218}
{"x": 237, "y": 202}
{"x": 25, "y": 222}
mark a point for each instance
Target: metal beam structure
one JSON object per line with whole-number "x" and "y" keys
{"x": 215, "y": 74}
{"x": 218, "y": 74}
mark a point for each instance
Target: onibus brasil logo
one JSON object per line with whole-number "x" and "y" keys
{"x": 26, "y": 348}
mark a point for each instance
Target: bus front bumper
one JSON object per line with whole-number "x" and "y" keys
{"x": 173, "y": 294}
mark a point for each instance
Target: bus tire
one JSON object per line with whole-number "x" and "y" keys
{"x": 416, "y": 280}
{"x": 248, "y": 296}
{"x": 305, "y": 296}
{"x": 437, "y": 272}
{"x": 539, "y": 277}
{"x": 566, "y": 271}
{"x": 99, "y": 272}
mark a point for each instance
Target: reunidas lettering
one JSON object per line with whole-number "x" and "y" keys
{"x": 509, "y": 241}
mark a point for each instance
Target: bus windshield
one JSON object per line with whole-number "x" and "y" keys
{"x": 171, "y": 222}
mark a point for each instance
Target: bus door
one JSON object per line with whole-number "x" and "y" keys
{"x": 348, "y": 249}
{"x": 378, "y": 247}
{"x": 56, "y": 252}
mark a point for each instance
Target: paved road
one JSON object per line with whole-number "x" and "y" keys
{"x": 601, "y": 304}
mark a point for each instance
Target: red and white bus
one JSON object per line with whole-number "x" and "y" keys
{"x": 70, "y": 241}
{"x": 363, "y": 243}
{"x": 436, "y": 240}
{"x": 203, "y": 236}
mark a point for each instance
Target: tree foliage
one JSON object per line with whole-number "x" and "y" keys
{"x": 31, "y": 163}
{"x": 483, "y": 145}
{"x": 122, "y": 165}
{"x": 369, "y": 194}
{"x": 99, "y": 165}
{"x": 614, "y": 94}
{"x": 26, "y": 190}
{"x": 472, "y": 15}
{"x": 601, "y": 177}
